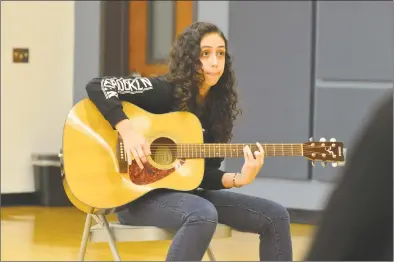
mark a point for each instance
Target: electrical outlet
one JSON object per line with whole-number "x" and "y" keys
{"x": 20, "y": 55}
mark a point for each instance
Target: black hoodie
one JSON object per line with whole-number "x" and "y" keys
{"x": 153, "y": 94}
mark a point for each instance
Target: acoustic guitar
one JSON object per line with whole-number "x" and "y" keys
{"x": 96, "y": 174}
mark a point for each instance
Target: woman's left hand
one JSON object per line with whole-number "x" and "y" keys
{"x": 252, "y": 164}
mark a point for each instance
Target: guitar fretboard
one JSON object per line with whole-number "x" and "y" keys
{"x": 235, "y": 150}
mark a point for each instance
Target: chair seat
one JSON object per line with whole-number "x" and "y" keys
{"x": 124, "y": 233}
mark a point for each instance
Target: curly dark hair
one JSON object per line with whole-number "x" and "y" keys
{"x": 220, "y": 107}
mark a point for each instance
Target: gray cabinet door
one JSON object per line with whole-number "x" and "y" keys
{"x": 354, "y": 69}
{"x": 271, "y": 44}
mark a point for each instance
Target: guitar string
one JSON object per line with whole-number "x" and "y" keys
{"x": 213, "y": 150}
{"x": 305, "y": 149}
{"x": 236, "y": 146}
{"x": 230, "y": 156}
{"x": 238, "y": 152}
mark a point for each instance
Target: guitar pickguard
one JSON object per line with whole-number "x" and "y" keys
{"x": 150, "y": 173}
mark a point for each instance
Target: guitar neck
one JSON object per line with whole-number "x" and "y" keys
{"x": 210, "y": 150}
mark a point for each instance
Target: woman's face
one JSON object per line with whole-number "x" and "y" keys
{"x": 212, "y": 57}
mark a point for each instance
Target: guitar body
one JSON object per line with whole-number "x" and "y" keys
{"x": 96, "y": 173}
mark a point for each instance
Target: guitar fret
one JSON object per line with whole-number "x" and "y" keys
{"x": 283, "y": 152}
{"x": 302, "y": 150}
{"x": 265, "y": 149}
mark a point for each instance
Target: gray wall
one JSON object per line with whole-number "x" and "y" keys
{"x": 87, "y": 45}
{"x": 303, "y": 72}
{"x": 216, "y": 12}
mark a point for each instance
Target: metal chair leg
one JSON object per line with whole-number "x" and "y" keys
{"x": 111, "y": 240}
{"x": 210, "y": 254}
{"x": 85, "y": 237}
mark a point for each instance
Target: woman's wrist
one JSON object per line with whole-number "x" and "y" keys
{"x": 237, "y": 180}
{"x": 231, "y": 180}
{"x": 240, "y": 180}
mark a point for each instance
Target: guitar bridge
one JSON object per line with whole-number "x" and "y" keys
{"x": 121, "y": 156}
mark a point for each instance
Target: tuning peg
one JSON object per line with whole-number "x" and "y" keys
{"x": 333, "y": 140}
{"x": 323, "y": 164}
{"x": 335, "y": 164}
{"x": 322, "y": 139}
{"x": 310, "y": 139}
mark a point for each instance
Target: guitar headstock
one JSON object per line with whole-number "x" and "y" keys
{"x": 325, "y": 151}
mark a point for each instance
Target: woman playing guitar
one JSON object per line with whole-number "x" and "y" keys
{"x": 200, "y": 80}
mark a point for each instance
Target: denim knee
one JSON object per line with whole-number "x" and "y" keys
{"x": 205, "y": 211}
{"x": 279, "y": 212}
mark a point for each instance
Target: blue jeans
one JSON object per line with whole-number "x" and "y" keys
{"x": 194, "y": 216}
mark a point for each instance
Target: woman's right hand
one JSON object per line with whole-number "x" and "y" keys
{"x": 134, "y": 143}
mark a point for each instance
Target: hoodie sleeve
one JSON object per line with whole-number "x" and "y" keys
{"x": 151, "y": 94}
{"x": 213, "y": 175}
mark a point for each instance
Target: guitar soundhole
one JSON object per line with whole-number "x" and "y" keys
{"x": 163, "y": 151}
